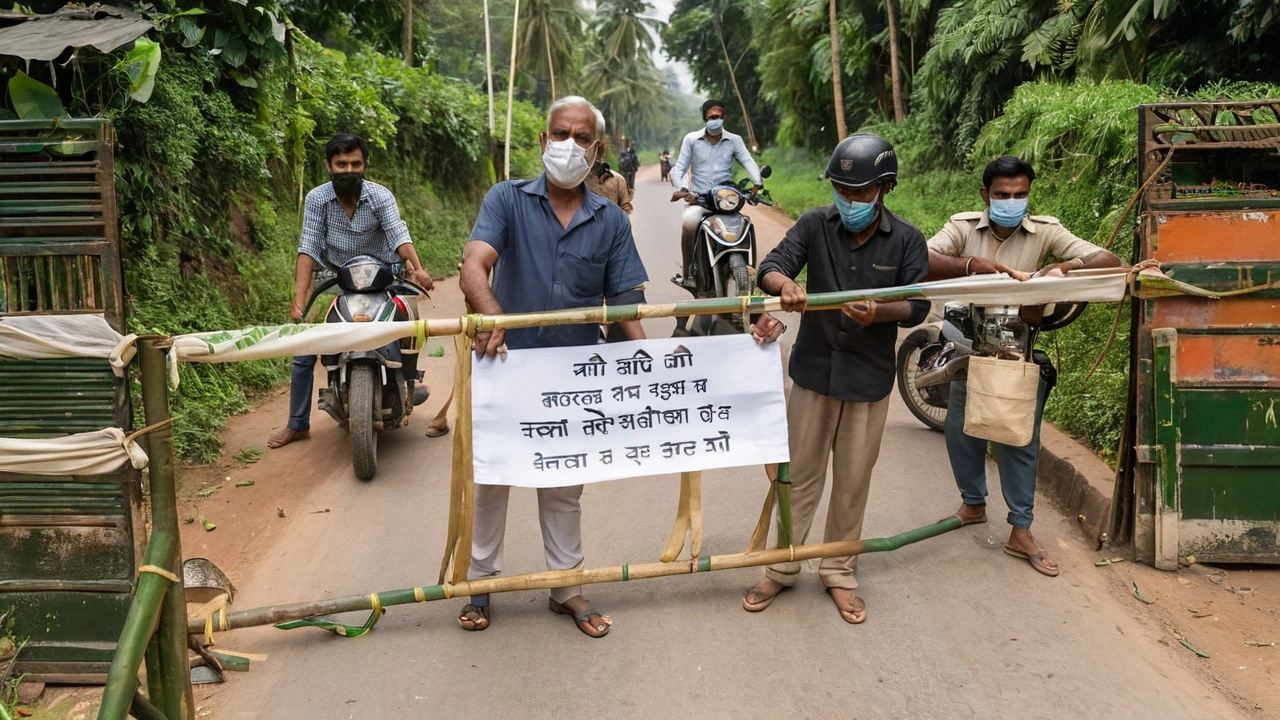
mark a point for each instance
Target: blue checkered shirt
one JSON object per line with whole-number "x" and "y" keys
{"x": 331, "y": 238}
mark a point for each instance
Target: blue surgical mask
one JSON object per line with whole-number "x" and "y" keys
{"x": 714, "y": 125}
{"x": 856, "y": 216}
{"x": 1008, "y": 213}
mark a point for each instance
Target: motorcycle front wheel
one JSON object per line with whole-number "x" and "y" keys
{"x": 917, "y": 353}
{"x": 362, "y": 393}
{"x": 738, "y": 283}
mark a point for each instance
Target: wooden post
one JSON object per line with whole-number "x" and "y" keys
{"x": 511, "y": 91}
{"x": 837, "y": 88}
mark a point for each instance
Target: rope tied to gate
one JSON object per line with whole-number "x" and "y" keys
{"x": 157, "y": 570}
{"x": 150, "y": 428}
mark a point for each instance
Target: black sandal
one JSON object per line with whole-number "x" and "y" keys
{"x": 479, "y": 622}
{"x": 583, "y": 621}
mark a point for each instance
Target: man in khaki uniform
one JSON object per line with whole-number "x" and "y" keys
{"x": 1004, "y": 239}
{"x": 609, "y": 185}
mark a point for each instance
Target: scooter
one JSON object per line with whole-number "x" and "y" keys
{"x": 932, "y": 356}
{"x": 371, "y": 391}
{"x": 724, "y": 256}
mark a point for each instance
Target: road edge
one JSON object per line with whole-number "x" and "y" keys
{"x": 1075, "y": 480}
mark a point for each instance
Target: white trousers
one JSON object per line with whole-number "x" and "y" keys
{"x": 559, "y": 513}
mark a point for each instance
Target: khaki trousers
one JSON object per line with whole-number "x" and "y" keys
{"x": 560, "y": 515}
{"x": 848, "y": 434}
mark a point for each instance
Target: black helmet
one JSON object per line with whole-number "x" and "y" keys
{"x": 862, "y": 159}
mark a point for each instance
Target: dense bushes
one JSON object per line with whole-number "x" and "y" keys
{"x": 1082, "y": 140}
{"x": 210, "y": 175}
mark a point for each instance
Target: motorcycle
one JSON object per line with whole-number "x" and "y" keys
{"x": 932, "y": 356}
{"x": 724, "y": 256}
{"x": 370, "y": 391}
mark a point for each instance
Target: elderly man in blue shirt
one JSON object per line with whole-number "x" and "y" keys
{"x": 707, "y": 156}
{"x": 550, "y": 244}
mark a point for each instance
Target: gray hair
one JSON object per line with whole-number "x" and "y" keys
{"x": 577, "y": 101}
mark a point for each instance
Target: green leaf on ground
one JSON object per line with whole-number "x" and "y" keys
{"x": 207, "y": 523}
{"x": 1193, "y": 648}
{"x": 245, "y": 483}
{"x": 437, "y": 351}
{"x": 248, "y": 455}
{"x": 206, "y": 492}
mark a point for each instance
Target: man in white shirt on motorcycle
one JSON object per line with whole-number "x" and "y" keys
{"x": 706, "y": 156}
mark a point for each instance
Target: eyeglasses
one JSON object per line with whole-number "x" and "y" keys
{"x": 715, "y": 117}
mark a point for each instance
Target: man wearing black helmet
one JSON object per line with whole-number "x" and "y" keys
{"x": 707, "y": 156}
{"x": 842, "y": 363}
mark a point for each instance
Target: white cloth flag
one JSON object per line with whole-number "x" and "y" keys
{"x": 91, "y": 453}
{"x": 551, "y": 417}
{"x": 268, "y": 341}
{"x": 34, "y": 337}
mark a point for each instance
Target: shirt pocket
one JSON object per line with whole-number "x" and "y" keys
{"x": 581, "y": 278}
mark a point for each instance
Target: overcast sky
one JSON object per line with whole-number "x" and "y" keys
{"x": 662, "y": 10}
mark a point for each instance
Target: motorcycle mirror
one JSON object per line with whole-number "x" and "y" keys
{"x": 765, "y": 171}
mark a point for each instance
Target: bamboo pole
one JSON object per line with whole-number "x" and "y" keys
{"x": 569, "y": 578}
{"x": 784, "y": 505}
{"x": 122, "y": 678}
{"x": 174, "y": 667}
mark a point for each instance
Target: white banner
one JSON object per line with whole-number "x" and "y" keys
{"x": 37, "y": 337}
{"x": 551, "y": 417}
{"x": 91, "y": 453}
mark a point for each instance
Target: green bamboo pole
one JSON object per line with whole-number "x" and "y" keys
{"x": 144, "y": 709}
{"x": 122, "y": 678}
{"x": 175, "y": 670}
{"x": 784, "y": 504}
{"x": 155, "y": 678}
{"x": 568, "y": 578}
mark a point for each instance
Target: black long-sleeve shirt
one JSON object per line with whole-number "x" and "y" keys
{"x": 834, "y": 355}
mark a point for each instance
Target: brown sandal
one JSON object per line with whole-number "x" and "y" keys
{"x": 765, "y": 600}
{"x": 591, "y": 623}
{"x": 477, "y": 616}
{"x": 855, "y": 616}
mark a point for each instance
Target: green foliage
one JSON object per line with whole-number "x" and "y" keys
{"x": 32, "y": 99}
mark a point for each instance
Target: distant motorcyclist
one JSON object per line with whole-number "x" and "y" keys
{"x": 664, "y": 162}
{"x": 707, "y": 157}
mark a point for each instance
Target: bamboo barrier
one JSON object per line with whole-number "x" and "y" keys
{"x": 275, "y": 614}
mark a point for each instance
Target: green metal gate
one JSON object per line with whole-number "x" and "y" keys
{"x": 1206, "y": 381}
{"x": 69, "y": 546}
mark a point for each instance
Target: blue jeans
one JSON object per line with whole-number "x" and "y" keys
{"x": 300, "y": 386}
{"x": 969, "y": 461}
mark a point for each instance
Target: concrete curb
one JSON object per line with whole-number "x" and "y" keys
{"x": 1075, "y": 480}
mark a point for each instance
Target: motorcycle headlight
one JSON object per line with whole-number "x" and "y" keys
{"x": 362, "y": 276}
{"x": 728, "y": 199}
{"x": 365, "y": 306}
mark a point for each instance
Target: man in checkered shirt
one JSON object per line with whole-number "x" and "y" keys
{"x": 343, "y": 218}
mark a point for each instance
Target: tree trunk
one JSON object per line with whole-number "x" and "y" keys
{"x": 511, "y": 91}
{"x": 551, "y": 69}
{"x": 488, "y": 66}
{"x": 733, "y": 78}
{"x": 408, "y": 33}
{"x": 899, "y": 105}
{"x": 837, "y": 89}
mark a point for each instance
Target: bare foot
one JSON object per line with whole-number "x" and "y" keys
{"x": 852, "y": 609}
{"x": 286, "y": 436}
{"x": 473, "y": 618}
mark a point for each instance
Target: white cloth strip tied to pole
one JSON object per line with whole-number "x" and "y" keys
{"x": 92, "y": 453}
{"x": 35, "y": 337}
{"x": 255, "y": 343}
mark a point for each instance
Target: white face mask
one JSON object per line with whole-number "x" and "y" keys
{"x": 566, "y": 163}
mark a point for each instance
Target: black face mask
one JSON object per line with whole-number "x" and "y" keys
{"x": 347, "y": 183}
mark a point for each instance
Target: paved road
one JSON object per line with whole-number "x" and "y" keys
{"x": 956, "y": 629}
